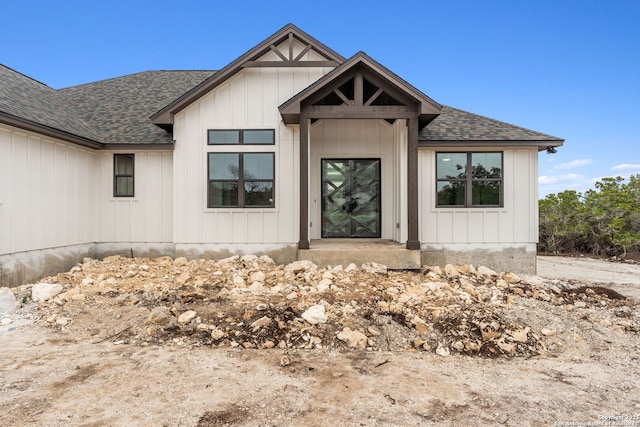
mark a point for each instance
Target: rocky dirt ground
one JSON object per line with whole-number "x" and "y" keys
{"x": 246, "y": 342}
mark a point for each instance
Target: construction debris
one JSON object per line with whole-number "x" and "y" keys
{"x": 251, "y": 302}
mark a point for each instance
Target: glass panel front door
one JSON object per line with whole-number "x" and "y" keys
{"x": 351, "y": 198}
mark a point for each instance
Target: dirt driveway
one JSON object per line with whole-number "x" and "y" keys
{"x": 79, "y": 373}
{"x": 624, "y": 278}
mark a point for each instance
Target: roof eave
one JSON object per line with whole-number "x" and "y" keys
{"x": 540, "y": 144}
{"x": 49, "y": 131}
{"x": 168, "y": 146}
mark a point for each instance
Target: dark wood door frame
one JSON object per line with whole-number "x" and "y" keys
{"x": 413, "y": 241}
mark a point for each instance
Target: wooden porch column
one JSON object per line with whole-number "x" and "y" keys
{"x": 413, "y": 241}
{"x": 303, "y": 243}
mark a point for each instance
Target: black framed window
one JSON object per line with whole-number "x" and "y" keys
{"x": 469, "y": 179}
{"x": 241, "y": 180}
{"x": 123, "y": 175}
{"x": 241, "y": 136}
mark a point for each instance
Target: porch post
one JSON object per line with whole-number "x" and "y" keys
{"x": 413, "y": 241}
{"x": 303, "y": 243}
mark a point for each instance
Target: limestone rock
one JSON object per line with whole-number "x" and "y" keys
{"x": 266, "y": 259}
{"x": 186, "y": 317}
{"x": 315, "y": 315}
{"x": 261, "y": 322}
{"x": 8, "y": 302}
{"x": 511, "y": 278}
{"x": 451, "y": 271}
{"x": 520, "y": 335}
{"x": 443, "y": 350}
{"x": 374, "y": 267}
{"x": 45, "y": 291}
{"x": 229, "y": 260}
{"x": 486, "y": 272}
{"x": 354, "y": 339}
{"x": 351, "y": 267}
{"x": 180, "y": 261}
{"x": 217, "y": 334}
{"x": 183, "y": 278}
{"x": 324, "y": 285}
{"x": 159, "y": 316}
{"x": 300, "y": 266}
{"x": 258, "y": 276}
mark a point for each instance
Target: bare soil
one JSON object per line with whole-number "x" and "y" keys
{"x": 161, "y": 342}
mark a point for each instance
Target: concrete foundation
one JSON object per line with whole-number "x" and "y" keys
{"x": 280, "y": 253}
{"x": 515, "y": 258}
{"x": 358, "y": 251}
{"x": 134, "y": 250}
{"x": 27, "y": 267}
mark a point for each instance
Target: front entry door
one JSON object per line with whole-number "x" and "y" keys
{"x": 351, "y": 198}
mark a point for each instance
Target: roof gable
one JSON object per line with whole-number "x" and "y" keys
{"x": 388, "y": 89}
{"x": 288, "y": 47}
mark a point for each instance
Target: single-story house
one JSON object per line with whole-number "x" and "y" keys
{"x": 290, "y": 150}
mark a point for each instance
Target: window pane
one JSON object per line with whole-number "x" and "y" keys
{"x": 258, "y": 137}
{"x": 224, "y": 166}
{"x": 223, "y": 193}
{"x": 124, "y": 186}
{"x": 124, "y": 164}
{"x": 258, "y": 166}
{"x": 224, "y": 137}
{"x": 486, "y": 193}
{"x": 451, "y": 193}
{"x": 258, "y": 193}
{"x": 452, "y": 165}
{"x": 486, "y": 165}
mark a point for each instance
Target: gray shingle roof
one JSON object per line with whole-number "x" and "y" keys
{"x": 119, "y": 108}
{"x": 457, "y": 125}
{"x": 30, "y": 100}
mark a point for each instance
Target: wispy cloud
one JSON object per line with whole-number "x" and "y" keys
{"x": 626, "y": 167}
{"x": 573, "y": 164}
{"x": 548, "y": 184}
{"x": 556, "y": 179}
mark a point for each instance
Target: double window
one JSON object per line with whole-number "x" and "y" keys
{"x": 469, "y": 179}
{"x": 243, "y": 179}
{"x": 123, "y": 175}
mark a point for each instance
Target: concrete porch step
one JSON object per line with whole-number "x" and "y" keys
{"x": 358, "y": 251}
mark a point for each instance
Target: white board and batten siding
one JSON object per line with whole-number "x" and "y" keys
{"x": 47, "y": 196}
{"x": 355, "y": 139}
{"x": 248, "y": 100}
{"x": 514, "y": 223}
{"x": 148, "y": 216}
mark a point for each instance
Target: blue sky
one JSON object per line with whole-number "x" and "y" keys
{"x": 567, "y": 68}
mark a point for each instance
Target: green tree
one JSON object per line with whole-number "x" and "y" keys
{"x": 605, "y": 221}
{"x": 561, "y": 222}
